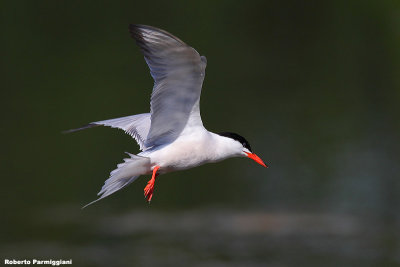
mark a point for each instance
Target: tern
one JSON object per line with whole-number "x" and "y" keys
{"x": 172, "y": 136}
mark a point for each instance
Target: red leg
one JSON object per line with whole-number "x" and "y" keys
{"x": 148, "y": 190}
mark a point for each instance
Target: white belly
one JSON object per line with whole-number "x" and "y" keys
{"x": 182, "y": 154}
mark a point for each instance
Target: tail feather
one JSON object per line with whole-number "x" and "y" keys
{"x": 126, "y": 173}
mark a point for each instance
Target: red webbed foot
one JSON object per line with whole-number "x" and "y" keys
{"x": 149, "y": 189}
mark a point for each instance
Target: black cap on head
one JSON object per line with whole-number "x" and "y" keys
{"x": 238, "y": 138}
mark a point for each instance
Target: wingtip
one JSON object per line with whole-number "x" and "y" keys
{"x": 94, "y": 201}
{"x": 90, "y": 125}
{"x": 135, "y": 28}
{"x": 132, "y": 27}
{"x": 137, "y": 31}
{"x": 71, "y": 131}
{"x": 67, "y": 131}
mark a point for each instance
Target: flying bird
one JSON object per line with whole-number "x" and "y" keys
{"x": 172, "y": 136}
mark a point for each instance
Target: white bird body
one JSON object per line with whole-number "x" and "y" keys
{"x": 192, "y": 150}
{"x": 172, "y": 136}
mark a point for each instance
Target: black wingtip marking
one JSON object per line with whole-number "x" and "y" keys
{"x": 136, "y": 31}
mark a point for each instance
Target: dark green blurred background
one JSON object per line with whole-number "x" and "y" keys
{"x": 313, "y": 86}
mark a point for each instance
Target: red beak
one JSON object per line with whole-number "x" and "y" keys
{"x": 256, "y": 159}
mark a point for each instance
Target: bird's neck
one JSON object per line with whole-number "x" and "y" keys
{"x": 222, "y": 147}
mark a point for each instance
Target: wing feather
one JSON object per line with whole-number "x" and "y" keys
{"x": 178, "y": 72}
{"x": 137, "y": 126}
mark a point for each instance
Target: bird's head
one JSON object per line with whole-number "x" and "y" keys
{"x": 242, "y": 147}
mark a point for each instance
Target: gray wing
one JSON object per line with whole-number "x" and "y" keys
{"x": 137, "y": 126}
{"x": 178, "y": 72}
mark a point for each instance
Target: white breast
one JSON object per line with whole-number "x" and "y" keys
{"x": 186, "y": 152}
{"x": 191, "y": 150}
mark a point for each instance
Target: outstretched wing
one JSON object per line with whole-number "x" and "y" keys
{"x": 178, "y": 72}
{"x": 137, "y": 126}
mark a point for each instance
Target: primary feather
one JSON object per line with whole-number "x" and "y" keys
{"x": 137, "y": 126}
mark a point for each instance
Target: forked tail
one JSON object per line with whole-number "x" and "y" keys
{"x": 126, "y": 173}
